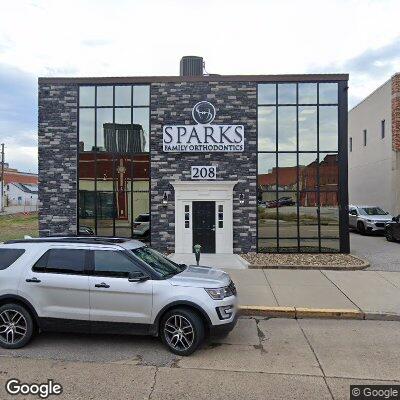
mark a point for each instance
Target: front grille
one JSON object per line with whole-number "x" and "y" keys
{"x": 232, "y": 288}
{"x": 380, "y": 225}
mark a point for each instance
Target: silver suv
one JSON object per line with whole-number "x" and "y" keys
{"x": 368, "y": 219}
{"x": 105, "y": 285}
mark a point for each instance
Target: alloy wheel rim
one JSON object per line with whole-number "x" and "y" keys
{"x": 13, "y": 326}
{"x": 179, "y": 332}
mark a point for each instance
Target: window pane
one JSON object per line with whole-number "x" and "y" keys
{"x": 287, "y": 125}
{"x": 308, "y": 171}
{"x": 287, "y": 172}
{"x": 123, "y": 95}
{"x": 105, "y": 213}
{"x": 123, "y": 214}
{"x": 66, "y": 261}
{"x": 308, "y": 128}
{"x": 267, "y": 246}
{"x": 106, "y": 140}
{"x": 287, "y": 212}
{"x": 330, "y": 245}
{"x": 141, "y": 95}
{"x": 86, "y": 96}
{"x": 267, "y": 128}
{"x": 307, "y": 93}
{"x": 328, "y": 128}
{"x": 9, "y": 256}
{"x": 104, "y": 95}
{"x": 309, "y": 246}
{"x": 86, "y": 129}
{"x": 267, "y": 93}
{"x": 329, "y": 215}
{"x": 267, "y": 171}
{"x": 287, "y": 93}
{"x": 288, "y": 245}
{"x": 308, "y": 215}
{"x": 140, "y": 138}
{"x": 328, "y": 93}
{"x": 123, "y": 115}
{"x": 328, "y": 171}
{"x": 113, "y": 264}
{"x": 267, "y": 218}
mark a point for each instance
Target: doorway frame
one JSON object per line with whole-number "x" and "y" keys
{"x": 188, "y": 191}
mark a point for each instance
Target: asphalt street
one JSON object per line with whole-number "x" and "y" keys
{"x": 381, "y": 254}
{"x": 260, "y": 359}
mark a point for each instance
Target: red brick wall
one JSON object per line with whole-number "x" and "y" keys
{"x": 396, "y": 112}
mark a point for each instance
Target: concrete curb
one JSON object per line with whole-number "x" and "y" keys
{"x": 302, "y": 312}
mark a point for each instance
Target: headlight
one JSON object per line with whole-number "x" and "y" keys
{"x": 220, "y": 293}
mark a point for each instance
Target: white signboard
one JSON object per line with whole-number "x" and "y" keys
{"x": 204, "y": 172}
{"x": 203, "y": 137}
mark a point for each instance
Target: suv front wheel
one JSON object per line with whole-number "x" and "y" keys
{"x": 16, "y": 326}
{"x": 182, "y": 331}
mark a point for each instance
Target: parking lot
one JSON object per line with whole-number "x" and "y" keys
{"x": 260, "y": 359}
{"x": 381, "y": 254}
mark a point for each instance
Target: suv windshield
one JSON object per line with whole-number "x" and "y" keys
{"x": 372, "y": 211}
{"x": 164, "y": 266}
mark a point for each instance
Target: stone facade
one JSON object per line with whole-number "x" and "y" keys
{"x": 396, "y": 112}
{"x": 57, "y": 133}
{"x": 171, "y": 104}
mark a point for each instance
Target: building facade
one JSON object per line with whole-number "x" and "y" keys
{"x": 374, "y": 148}
{"x": 204, "y": 156}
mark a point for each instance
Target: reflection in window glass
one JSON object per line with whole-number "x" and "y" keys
{"x": 329, "y": 211}
{"x": 105, "y": 131}
{"x": 141, "y": 95}
{"x": 122, "y": 115}
{"x": 287, "y": 210}
{"x": 328, "y": 93}
{"x": 328, "y": 171}
{"x": 308, "y": 215}
{"x": 309, "y": 245}
{"x": 308, "y": 171}
{"x": 141, "y": 124}
{"x": 123, "y": 96}
{"x": 287, "y": 93}
{"x": 267, "y": 217}
{"x": 267, "y": 93}
{"x": 288, "y": 245}
{"x": 267, "y": 171}
{"x": 267, "y": 246}
{"x": 105, "y": 96}
{"x": 308, "y": 128}
{"x": 287, "y": 125}
{"x": 330, "y": 245}
{"x": 287, "y": 171}
{"x": 267, "y": 128}
{"x": 86, "y": 96}
{"x": 307, "y": 93}
{"x": 86, "y": 129}
{"x": 328, "y": 128}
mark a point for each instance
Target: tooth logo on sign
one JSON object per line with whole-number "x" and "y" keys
{"x": 203, "y": 112}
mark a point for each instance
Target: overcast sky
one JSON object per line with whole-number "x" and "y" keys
{"x": 130, "y": 38}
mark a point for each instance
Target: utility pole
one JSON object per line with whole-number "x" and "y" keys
{"x": 2, "y": 178}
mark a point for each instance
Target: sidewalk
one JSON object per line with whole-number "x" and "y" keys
{"x": 300, "y": 293}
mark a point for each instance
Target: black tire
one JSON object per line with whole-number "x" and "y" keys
{"x": 22, "y": 331}
{"x": 186, "y": 344}
{"x": 389, "y": 235}
{"x": 361, "y": 228}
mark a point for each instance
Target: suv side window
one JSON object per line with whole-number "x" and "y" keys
{"x": 113, "y": 264}
{"x": 62, "y": 261}
{"x": 9, "y": 256}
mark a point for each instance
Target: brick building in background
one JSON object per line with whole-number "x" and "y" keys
{"x": 374, "y": 148}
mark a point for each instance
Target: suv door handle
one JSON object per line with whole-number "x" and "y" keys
{"x": 33, "y": 280}
{"x": 102, "y": 285}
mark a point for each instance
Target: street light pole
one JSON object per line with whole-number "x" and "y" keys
{"x": 2, "y": 177}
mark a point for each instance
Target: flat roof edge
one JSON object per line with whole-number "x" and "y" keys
{"x": 207, "y": 78}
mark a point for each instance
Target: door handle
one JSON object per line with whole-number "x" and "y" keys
{"x": 33, "y": 280}
{"x": 102, "y": 285}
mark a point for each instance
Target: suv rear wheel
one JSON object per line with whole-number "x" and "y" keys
{"x": 16, "y": 326}
{"x": 389, "y": 235}
{"x": 361, "y": 228}
{"x": 182, "y": 331}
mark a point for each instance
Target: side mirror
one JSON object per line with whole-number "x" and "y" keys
{"x": 137, "y": 277}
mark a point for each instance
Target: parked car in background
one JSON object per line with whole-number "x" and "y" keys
{"x": 141, "y": 226}
{"x": 368, "y": 219}
{"x": 86, "y": 231}
{"x": 392, "y": 229}
{"x": 286, "y": 201}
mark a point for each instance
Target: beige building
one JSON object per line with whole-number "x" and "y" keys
{"x": 374, "y": 148}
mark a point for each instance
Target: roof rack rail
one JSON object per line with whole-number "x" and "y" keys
{"x": 71, "y": 239}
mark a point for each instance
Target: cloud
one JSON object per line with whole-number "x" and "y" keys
{"x": 18, "y": 117}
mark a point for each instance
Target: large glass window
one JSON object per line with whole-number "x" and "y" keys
{"x": 298, "y": 168}
{"x": 114, "y": 168}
